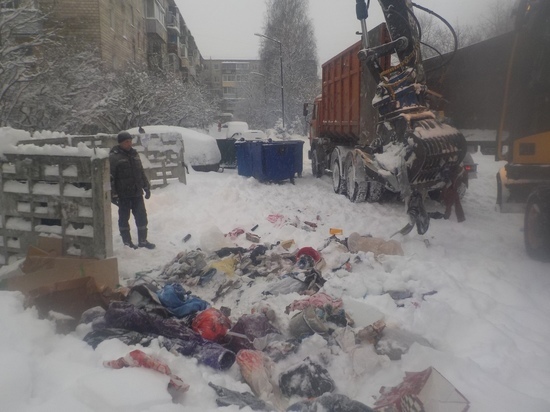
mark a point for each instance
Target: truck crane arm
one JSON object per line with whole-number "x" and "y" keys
{"x": 403, "y": 114}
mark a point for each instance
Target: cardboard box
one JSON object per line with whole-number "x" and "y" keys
{"x": 426, "y": 391}
{"x": 45, "y": 266}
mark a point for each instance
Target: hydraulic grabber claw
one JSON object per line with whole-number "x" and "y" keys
{"x": 417, "y": 215}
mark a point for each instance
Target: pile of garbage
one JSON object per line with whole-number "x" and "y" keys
{"x": 192, "y": 308}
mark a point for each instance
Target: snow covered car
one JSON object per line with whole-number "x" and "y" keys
{"x": 234, "y": 127}
{"x": 250, "y": 135}
{"x": 200, "y": 151}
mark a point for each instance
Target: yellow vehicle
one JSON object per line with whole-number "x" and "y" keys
{"x": 523, "y": 137}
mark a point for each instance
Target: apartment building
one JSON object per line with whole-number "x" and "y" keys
{"x": 226, "y": 79}
{"x": 148, "y": 33}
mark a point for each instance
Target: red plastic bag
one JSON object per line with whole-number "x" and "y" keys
{"x": 211, "y": 324}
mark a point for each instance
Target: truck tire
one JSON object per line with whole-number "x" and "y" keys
{"x": 316, "y": 167}
{"x": 536, "y": 229}
{"x": 351, "y": 184}
{"x": 355, "y": 191}
{"x": 338, "y": 183}
{"x": 375, "y": 192}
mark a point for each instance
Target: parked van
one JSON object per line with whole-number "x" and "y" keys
{"x": 233, "y": 128}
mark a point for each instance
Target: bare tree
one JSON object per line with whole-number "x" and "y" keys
{"x": 437, "y": 37}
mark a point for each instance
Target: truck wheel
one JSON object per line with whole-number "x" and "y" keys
{"x": 536, "y": 229}
{"x": 351, "y": 184}
{"x": 338, "y": 183}
{"x": 316, "y": 167}
{"x": 374, "y": 192}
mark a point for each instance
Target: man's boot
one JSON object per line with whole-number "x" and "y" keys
{"x": 142, "y": 239}
{"x": 127, "y": 238}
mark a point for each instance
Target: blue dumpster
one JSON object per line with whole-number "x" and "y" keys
{"x": 270, "y": 161}
{"x": 244, "y": 158}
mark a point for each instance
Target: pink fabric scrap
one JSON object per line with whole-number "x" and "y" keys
{"x": 319, "y": 300}
{"x": 277, "y": 219}
{"x": 235, "y": 233}
{"x": 140, "y": 359}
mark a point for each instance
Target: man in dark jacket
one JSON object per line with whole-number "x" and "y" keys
{"x": 128, "y": 182}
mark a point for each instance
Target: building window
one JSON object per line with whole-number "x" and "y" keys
{"x": 132, "y": 22}
{"x": 154, "y": 11}
{"x": 229, "y": 92}
{"x": 228, "y": 78}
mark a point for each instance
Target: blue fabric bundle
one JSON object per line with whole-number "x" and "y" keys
{"x": 179, "y": 302}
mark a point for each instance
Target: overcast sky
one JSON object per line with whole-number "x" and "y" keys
{"x": 224, "y": 29}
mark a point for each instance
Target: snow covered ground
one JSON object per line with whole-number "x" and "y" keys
{"x": 487, "y": 324}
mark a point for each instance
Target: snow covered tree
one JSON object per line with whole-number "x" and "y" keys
{"x": 139, "y": 98}
{"x": 288, "y": 22}
{"x": 63, "y": 97}
{"x": 21, "y": 63}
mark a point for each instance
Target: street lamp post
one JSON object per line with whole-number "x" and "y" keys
{"x": 281, "y": 59}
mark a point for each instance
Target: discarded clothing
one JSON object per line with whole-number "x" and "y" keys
{"x": 137, "y": 358}
{"x": 123, "y": 315}
{"x": 95, "y": 337}
{"x": 145, "y": 297}
{"x": 92, "y": 314}
{"x": 226, "y": 265}
{"x": 318, "y": 300}
{"x": 179, "y": 302}
{"x": 329, "y": 402}
{"x": 140, "y": 327}
{"x": 247, "y": 329}
{"x": 227, "y": 397}
{"x": 235, "y": 233}
{"x": 256, "y": 253}
{"x": 308, "y": 380}
{"x": 185, "y": 264}
{"x": 226, "y": 251}
{"x": 310, "y": 280}
{"x": 277, "y": 219}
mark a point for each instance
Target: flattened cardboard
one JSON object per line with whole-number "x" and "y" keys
{"x": 46, "y": 267}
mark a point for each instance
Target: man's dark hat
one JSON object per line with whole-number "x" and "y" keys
{"x": 122, "y": 136}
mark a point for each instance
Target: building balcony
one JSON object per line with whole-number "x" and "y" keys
{"x": 173, "y": 22}
{"x": 173, "y": 48}
{"x": 154, "y": 26}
